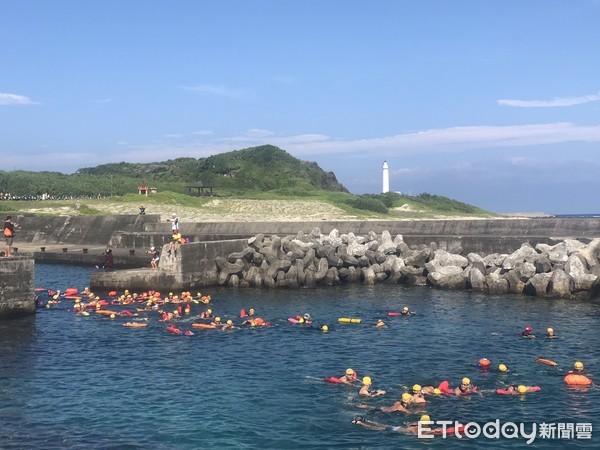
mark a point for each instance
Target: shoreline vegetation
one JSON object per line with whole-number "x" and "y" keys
{"x": 229, "y": 209}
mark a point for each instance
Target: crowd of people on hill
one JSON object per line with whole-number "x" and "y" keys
{"x": 41, "y": 197}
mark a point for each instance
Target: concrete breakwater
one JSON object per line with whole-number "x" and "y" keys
{"x": 16, "y": 287}
{"x": 570, "y": 268}
{"x": 220, "y": 253}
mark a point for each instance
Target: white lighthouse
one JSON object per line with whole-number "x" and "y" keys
{"x": 386, "y": 178}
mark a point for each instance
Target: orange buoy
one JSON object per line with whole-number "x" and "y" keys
{"x": 135, "y": 325}
{"x": 548, "y": 362}
{"x": 577, "y": 380}
{"x": 112, "y": 294}
{"x": 484, "y": 362}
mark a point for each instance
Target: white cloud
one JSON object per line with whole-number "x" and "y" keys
{"x": 14, "y": 99}
{"x": 555, "y": 102}
{"x": 217, "y": 90}
{"x": 441, "y": 140}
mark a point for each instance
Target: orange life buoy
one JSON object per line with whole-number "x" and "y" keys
{"x": 577, "y": 380}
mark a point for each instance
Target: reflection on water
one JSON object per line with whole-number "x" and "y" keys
{"x": 75, "y": 382}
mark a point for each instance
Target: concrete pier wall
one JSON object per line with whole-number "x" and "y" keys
{"x": 192, "y": 267}
{"x": 17, "y": 278}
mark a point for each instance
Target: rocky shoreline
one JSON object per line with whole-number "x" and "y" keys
{"x": 569, "y": 269}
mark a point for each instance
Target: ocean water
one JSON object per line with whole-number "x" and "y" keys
{"x": 68, "y": 381}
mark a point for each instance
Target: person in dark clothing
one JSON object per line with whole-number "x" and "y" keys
{"x": 142, "y": 210}
{"x": 9, "y": 234}
{"x": 108, "y": 260}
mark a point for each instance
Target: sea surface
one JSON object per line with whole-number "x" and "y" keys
{"x": 70, "y": 381}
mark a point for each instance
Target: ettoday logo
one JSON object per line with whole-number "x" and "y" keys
{"x": 507, "y": 430}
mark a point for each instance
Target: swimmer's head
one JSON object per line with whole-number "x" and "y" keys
{"x": 251, "y": 311}
{"x": 550, "y": 331}
{"x": 522, "y": 389}
{"x": 578, "y": 365}
{"x": 425, "y": 418}
{"x": 324, "y": 328}
{"x": 367, "y": 381}
{"x": 436, "y": 391}
{"x": 209, "y": 311}
{"x": 528, "y": 328}
{"x": 502, "y": 368}
{"x": 349, "y": 371}
{"x": 406, "y": 397}
{"x": 417, "y": 388}
{"x": 406, "y": 308}
{"x": 306, "y": 316}
{"x": 230, "y": 322}
{"x": 466, "y": 381}
{"x": 217, "y": 319}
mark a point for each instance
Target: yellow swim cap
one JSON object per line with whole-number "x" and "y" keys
{"x": 406, "y": 397}
{"x": 425, "y": 418}
{"x": 522, "y": 389}
{"x": 502, "y": 368}
{"x": 436, "y": 391}
{"x": 324, "y": 328}
{"x": 218, "y": 319}
{"x": 209, "y": 311}
{"x": 251, "y": 310}
{"x": 367, "y": 381}
{"x": 465, "y": 380}
{"x": 550, "y": 330}
{"x": 230, "y": 322}
{"x": 349, "y": 372}
{"x": 578, "y": 365}
{"x": 127, "y": 291}
{"x": 417, "y": 388}
{"x": 406, "y": 308}
{"x": 112, "y": 316}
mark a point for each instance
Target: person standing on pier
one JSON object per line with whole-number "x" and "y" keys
{"x": 9, "y": 234}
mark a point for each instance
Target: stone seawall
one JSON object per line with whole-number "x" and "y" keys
{"x": 17, "y": 277}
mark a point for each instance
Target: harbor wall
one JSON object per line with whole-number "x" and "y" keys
{"x": 17, "y": 278}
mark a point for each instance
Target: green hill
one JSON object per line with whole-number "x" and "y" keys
{"x": 259, "y": 169}
{"x": 265, "y": 172}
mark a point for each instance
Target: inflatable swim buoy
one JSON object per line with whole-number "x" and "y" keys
{"x": 173, "y": 329}
{"x": 71, "y": 291}
{"x": 574, "y": 379}
{"x": 484, "y": 362}
{"x": 445, "y": 388}
{"x": 548, "y": 362}
{"x": 349, "y": 320}
{"x": 105, "y": 312}
{"x": 204, "y": 325}
{"x": 333, "y": 380}
{"x": 135, "y": 325}
{"x": 112, "y": 294}
{"x": 394, "y": 313}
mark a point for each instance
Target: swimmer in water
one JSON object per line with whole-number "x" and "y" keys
{"x": 465, "y": 387}
{"x": 207, "y": 314}
{"x": 577, "y": 368}
{"x": 550, "y": 334}
{"x": 407, "y": 312}
{"x": 400, "y": 405}
{"x": 380, "y": 323}
{"x": 527, "y": 333}
{"x": 412, "y": 428}
{"x": 417, "y": 396}
{"x": 350, "y": 376}
{"x": 515, "y": 389}
{"x": 364, "y": 390}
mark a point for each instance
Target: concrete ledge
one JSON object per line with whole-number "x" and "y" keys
{"x": 17, "y": 278}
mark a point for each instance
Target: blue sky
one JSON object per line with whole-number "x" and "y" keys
{"x": 494, "y": 103}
